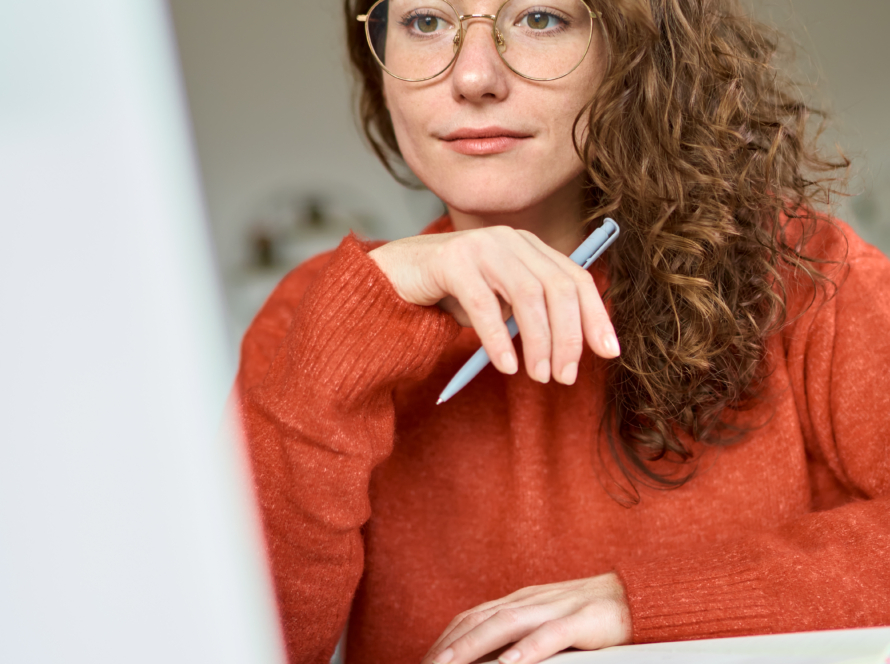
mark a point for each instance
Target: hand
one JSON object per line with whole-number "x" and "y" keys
{"x": 541, "y": 621}
{"x": 482, "y": 275}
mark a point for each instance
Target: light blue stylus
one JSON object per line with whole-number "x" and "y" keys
{"x": 589, "y": 250}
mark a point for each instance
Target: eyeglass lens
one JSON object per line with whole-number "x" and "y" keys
{"x": 418, "y": 39}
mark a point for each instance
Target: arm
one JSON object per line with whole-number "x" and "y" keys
{"x": 828, "y": 569}
{"x": 315, "y": 385}
{"x": 321, "y": 416}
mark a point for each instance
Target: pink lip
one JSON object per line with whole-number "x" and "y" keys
{"x": 486, "y": 140}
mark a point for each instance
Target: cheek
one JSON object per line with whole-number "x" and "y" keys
{"x": 408, "y": 114}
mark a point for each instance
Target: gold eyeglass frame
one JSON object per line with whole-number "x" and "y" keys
{"x": 459, "y": 41}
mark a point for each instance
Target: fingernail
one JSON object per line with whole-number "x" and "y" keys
{"x": 610, "y": 341}
{"x": 542, "y": 371}
{"x": 569, "y": 373}
{"x": 510, "y": 656}
{"x": 444, "y": 657}
{"x": 508, "y": 361}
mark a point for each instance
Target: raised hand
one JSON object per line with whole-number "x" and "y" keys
{"x": 483, "y": 275}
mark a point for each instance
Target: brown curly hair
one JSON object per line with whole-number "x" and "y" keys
{"x": 698, "y": 145}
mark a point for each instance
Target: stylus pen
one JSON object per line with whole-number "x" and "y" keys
{"x": 589, "y": 250}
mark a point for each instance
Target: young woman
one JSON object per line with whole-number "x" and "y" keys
{"x": 703, "y": 455}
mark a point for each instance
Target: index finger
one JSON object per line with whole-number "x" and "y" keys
{"x": 598, "y": 328}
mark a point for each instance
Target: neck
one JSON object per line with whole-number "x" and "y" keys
{"x": 556, "y": 220}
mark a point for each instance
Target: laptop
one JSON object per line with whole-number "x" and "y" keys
{"x": 127, "y": 527}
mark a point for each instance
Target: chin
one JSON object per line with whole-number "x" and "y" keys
{"x": 487, "y": 206}
{"x": 476, "y": 200}
{"x": 500, "y": 185}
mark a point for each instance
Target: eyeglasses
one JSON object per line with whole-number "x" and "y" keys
{"x": 542, "y": 40}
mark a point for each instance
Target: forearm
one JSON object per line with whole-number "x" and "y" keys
{"x": 825, "y": 570}
{"x": 318, "y": 423}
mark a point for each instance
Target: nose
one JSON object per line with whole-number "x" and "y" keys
{"x": 479, "y": 74}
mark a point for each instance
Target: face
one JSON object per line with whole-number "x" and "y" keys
{"x": 484, "y": 139}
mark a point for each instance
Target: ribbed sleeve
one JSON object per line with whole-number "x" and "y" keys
{"x": 694, "y": 599}
{"x": 352, "y": 334}
{"x": 317, "y": 424}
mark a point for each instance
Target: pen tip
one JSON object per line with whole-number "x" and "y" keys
{"x": 438, "y": 402}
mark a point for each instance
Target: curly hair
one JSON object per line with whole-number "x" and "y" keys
{"x": 699, "y": 146}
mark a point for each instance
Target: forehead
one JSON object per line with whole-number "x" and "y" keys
{"x": 488, "y": 7}
{"x": 460, "y": 6}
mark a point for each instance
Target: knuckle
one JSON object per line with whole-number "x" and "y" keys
{"x": 501, "y": 230}
{"x": 530, "y": 289}
{"x": 469, "y": 642}
{"x": 564, "y": 288}
{"x": 476, "y": 618}
{"x": 510, "y": 616}
{"x": 534, "y": 644}
{"x": 528, "y": 235}
{"x": 492, "y": 235}
{"x": 461, "y": 248}
{"x": 460, "y": 617}
{"x": 476, "y": 301}
{"x": 539, "y": 336}
{"x": 573, "y": 341}
{"x": 557, "y": 629}
{"x": 549, "y": 635}
{"x": 583, "y": 277}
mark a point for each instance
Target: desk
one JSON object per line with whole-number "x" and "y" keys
{"x": 849, "y": 646}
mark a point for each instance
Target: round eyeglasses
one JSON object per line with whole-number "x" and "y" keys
{"x": 416, "y": 40}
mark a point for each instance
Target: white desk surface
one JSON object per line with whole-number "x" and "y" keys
{"x": 852, "y": 646}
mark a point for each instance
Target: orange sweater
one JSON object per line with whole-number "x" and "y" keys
{"x": 384, "y": 508}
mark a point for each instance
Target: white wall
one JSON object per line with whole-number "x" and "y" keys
{"x": 270, "y": 101}
{"x": 843, "y": 58}
{"x": 271, "y": 105}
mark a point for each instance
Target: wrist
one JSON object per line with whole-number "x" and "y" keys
{"x": 617, "y": 595}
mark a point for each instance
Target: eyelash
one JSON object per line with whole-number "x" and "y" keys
{"x": 565, "y": 22}
{"x": 564, "y": 25}
{"x": 407, "y": 20}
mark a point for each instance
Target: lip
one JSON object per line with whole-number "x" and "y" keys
{"x": 484, "y": 140}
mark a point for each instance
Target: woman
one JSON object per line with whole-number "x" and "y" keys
{"x": 703, "y": 456}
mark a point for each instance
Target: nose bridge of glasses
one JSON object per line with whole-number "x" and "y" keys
{"x": 467, "y": 18}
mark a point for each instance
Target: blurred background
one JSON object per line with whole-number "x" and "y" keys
{"x": 287, "y": 174}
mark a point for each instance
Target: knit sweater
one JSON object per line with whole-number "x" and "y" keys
{"x": 381, "y": 507}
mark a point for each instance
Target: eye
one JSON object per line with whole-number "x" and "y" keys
{"x": 425, "y": 23}
{"x": 541, "y": 20}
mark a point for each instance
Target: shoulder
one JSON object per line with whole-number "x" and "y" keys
{"x": 857, "y": 274}
{"x": 825, "y": 238}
